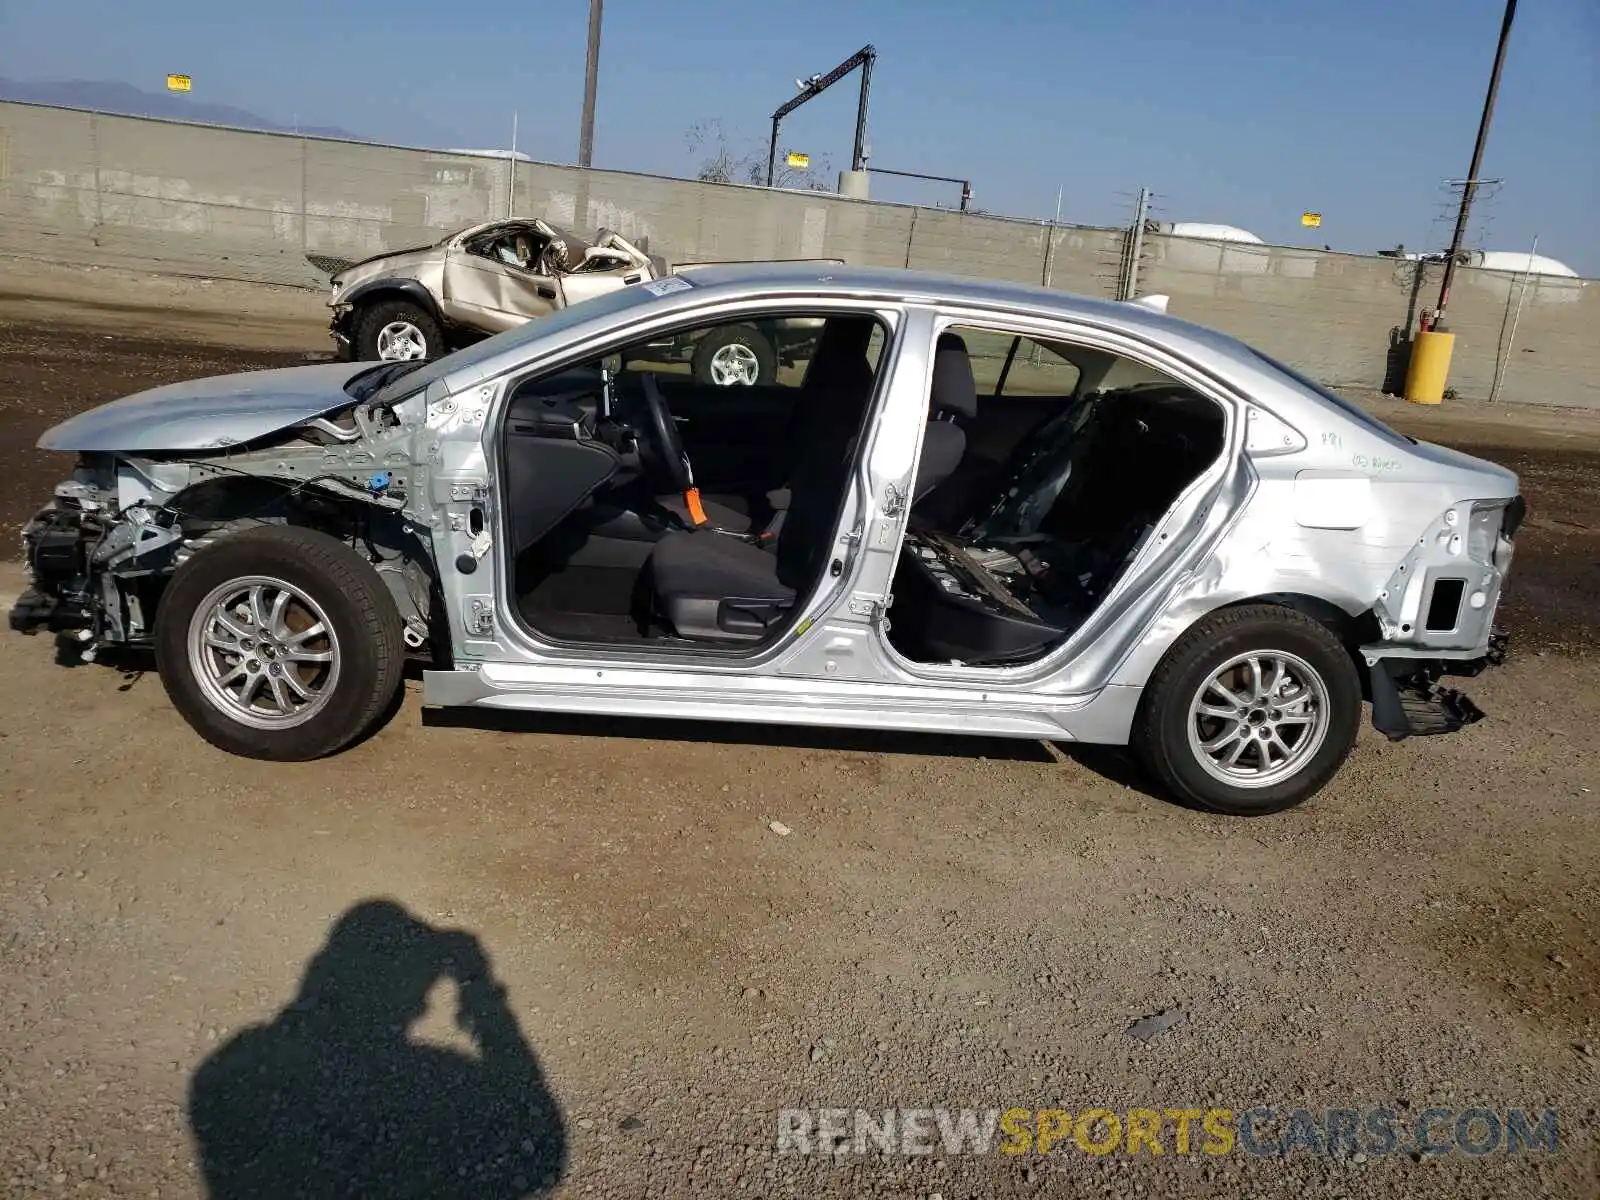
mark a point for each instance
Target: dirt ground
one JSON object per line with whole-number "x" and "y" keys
{"x": 495, "y": 957}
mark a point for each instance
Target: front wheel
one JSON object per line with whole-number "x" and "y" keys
{"x": 397, "y": 331}
{"x": 279, "y": 643}
{"x": 1251, "y": 712}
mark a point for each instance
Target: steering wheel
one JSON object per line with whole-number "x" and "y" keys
{"x": 661, "y": 431}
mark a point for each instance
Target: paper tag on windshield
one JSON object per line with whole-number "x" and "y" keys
{"x": 665, "y": 287}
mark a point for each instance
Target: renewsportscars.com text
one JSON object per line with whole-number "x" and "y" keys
{"x": 1342, "y": 1132}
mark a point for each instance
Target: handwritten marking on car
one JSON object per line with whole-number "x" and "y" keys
{"x": 1374, "y": 462}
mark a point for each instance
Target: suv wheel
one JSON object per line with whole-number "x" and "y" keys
{"x": 279, "y": 643}
{"x": 735, "y": 356}
{"x": 397, "y": 331}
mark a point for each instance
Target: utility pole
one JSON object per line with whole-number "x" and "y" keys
{"x": 511, "y": 173}
{"x": 1470, "y": 187}
{"x": 1128, "y": 285}
{"x": 591, "y": 81}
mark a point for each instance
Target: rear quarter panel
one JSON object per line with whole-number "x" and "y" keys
{"x": 1335, "y": 522}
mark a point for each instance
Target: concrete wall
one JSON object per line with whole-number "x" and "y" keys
{"x": 80, "y": 187}
{"x": 1334, "y": 315}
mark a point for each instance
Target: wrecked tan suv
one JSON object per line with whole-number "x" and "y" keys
{"x": 425, "y": 302}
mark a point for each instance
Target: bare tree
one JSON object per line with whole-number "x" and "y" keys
{"x": 719, "y": 162}
{"x": 723, "y": 161}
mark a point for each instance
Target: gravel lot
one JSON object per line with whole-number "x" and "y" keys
{"x": 496, "y": 957}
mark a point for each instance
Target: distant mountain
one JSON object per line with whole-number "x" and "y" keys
{"x": 128, "y": 100}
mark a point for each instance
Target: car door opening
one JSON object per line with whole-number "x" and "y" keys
{"x": 643, "y": 504}
{"x": 1071, "y": 460}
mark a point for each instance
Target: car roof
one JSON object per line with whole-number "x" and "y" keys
{"x": 809, "y": 281}
{"x": 930, "y": 287}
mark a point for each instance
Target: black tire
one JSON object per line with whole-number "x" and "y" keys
{"x": 370, "y": 652}
{"x": 752, "y": 339}
{"x": 1161, "y": 728}
{"x": 371, "y": 320}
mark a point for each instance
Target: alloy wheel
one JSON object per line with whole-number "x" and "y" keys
{"x": 1258, "y": 719}
{"x": 263, "y": 652}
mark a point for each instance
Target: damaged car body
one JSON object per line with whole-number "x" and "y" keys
{"x": 973, "y": 508}
{"x": 424, "y": 302}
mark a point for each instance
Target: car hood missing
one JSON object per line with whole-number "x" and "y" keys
{"x": 208, "y": 414}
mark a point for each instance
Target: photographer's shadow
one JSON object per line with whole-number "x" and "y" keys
{"x": 335, "y": 1098}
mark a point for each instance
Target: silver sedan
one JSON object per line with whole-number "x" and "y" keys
{"x": 970, "y": 508}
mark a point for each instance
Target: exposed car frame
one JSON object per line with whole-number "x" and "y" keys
{"x": 1317, "y": 536}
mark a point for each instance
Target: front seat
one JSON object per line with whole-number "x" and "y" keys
{"x": 708, "y": 586}
{"x": 836, "y": 388}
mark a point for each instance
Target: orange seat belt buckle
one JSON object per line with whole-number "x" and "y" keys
{"x": 697, "y": 512}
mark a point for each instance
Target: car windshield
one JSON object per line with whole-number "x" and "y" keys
{"x": 605, "y": 305}
{"x": 1349, "y": 407}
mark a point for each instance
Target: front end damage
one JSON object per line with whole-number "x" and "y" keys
{"x": 1435, "y": 616}
{"x": 101, "y": 552}
{"x": 65, "y": 548}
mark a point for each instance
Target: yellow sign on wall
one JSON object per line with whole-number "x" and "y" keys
{"x": 798, "y": 161}
{"x": 1311, "y": 220}
{"x": 179, "y": 83}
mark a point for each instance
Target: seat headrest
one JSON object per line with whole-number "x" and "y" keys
{"x": 954, "y": 389}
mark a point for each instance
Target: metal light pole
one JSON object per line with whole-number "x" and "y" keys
{"x": 1470, "y": 187}
{"x": 591, "y": 80}
{"x": 814, "y": 87}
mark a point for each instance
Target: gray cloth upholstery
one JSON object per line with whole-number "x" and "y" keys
{"x": 833, "y": 395}
{"x": 954, "y": 390}
{"x": 708, "y": 564}
{"x": 690, "y": 577}
{"x": 838, "y": 380}
{"x": 943, "y": 444}
{"x": 833, "y": 402}
{"x": 954, "y": 394}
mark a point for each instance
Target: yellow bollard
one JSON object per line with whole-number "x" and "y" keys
{"x": 1429, "y": 366}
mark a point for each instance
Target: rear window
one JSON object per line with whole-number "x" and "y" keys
{"x": 1349, "y": 407}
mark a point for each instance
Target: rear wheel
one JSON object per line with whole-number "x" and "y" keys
{"x": 279, "y": 643}
{"x": 1251, "y": 712}
{"x": 397, "y": 331}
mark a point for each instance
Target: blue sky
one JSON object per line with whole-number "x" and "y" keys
{"x": 1240, "y": 111}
